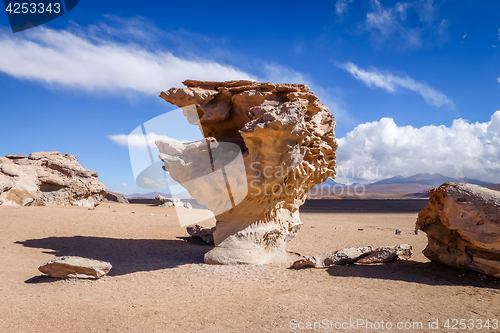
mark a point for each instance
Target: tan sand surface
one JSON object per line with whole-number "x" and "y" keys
{"x": 159, "y": 283}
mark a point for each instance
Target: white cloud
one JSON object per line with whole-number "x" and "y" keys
{"x": 61, "y": 57}
{"x": 465, "y": 149}
{"x": 464, "y": 36}
{"x": 498, "y": 79}
{"x": 498, "y": 34}
{"x": 384, "y": 23}
{"x": 391, "y": 82}
{"x": 123, "y": 184}
{"x": 139, "y": 140}
{"x": 341, "y": 7}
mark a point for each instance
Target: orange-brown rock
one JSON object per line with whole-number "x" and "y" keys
{"x": 462, "y": 222}
{"x": 287, "y": 142}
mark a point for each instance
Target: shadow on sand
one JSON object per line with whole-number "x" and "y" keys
{"x": 126, "y": 255}
{"x": 428, "y": 273}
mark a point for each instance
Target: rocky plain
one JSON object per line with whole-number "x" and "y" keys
{"x": 268, "y": 264}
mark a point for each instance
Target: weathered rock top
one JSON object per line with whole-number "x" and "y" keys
{"x": 48, "y": 178}
{"x": 462, "y": 222}
{"x": 284, "y": 140}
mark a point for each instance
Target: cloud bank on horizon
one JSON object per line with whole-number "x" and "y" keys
{"x": 382, "y": 149}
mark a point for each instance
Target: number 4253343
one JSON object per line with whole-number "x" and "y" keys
{"x": 32, "y": 8}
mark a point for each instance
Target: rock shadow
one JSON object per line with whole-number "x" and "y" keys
{"x": 429, "y": 273}
{"x": 126, "y": 255}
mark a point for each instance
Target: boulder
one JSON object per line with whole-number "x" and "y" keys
{"x": 462, "y": 223}
{"x": 341, "y": 257}
{"x": 266, "y": 145}
{"x": 162, "y": 201}
{"x": 48, "y": 178}
{"x": 205, "y": 233}
{"x": 75, "y": 267}
{"x": 387, "y": 254}
{"x": 116, "y": 197}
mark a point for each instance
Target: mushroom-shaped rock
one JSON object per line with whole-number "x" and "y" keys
{"x": 266, "y": 145}
{"x": 462, "y": 223}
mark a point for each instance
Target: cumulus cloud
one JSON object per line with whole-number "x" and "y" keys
{"x": 391, "y": 83}
{"x": 382, "y": 149}
{"x": 139, "y": 140}
{"x": 61, "y": 57}
{"x": 498, "y": 79}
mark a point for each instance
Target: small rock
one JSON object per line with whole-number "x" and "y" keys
{"x": 75, "y": 267}
{"x": 340, "y": 257}
{"x": 417, "y": 231}
{"x": 152, "y": 214}
{"x": 114, "y": 211}
{"x": 187, "y": 205}
{"x": 117, "y": 197}
{"x": 205, "y": 233}
{"x": 388, "y": 253}
{"x": 303, "y": 263}
{"x": 398, "y": 231}
{"x": 92, "y": 208}
{"x": 360, "y": 229}
{"x": 313, "y": 226}
{"x": 133, "y": 212}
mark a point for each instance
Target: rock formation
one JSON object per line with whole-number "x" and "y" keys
{"x": 162, "y": 201}
{"x": 266, "y": 145}
{"x": 75, "y": 267}
{"x": 462, "y": 222}
{"x": 205, "y": 233}
{"x": 116, "y": 197}
{"x": 360, "y": 255}
{"x": 48, "y": 178}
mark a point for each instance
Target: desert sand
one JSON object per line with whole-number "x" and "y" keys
{"x": 159, "y": 282}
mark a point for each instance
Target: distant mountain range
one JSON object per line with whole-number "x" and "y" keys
{"x": 152, "y": 195}
{"x": 397, "y": 187}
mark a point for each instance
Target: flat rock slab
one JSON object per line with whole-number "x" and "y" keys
{"x": 351, "y": 255}
{"x": 387, "y": 254}
{"x": 75, "y": 267}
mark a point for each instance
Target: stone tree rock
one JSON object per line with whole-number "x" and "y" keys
{"x": 462, "y": 222}
{"x": 286, "y": 141}
{"x": 48, "y": 178}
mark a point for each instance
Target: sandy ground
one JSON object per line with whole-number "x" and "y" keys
{"x": 159, "y": 282}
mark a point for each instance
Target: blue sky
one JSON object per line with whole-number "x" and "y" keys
{"x": 414, "y": 85}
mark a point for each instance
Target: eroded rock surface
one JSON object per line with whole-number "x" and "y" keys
{"x": 462, "y": 223}
{"x": 387, "y": 254}
{"x": 360, "y": 255}
{"x": 75, "y": 267}
{"x": 163, "y": 201}
{"x": 116, "y": 197}
{"x": 205, "y": 233}
{"x": 285, "y": 139}
{"x": 48, "y": 178}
